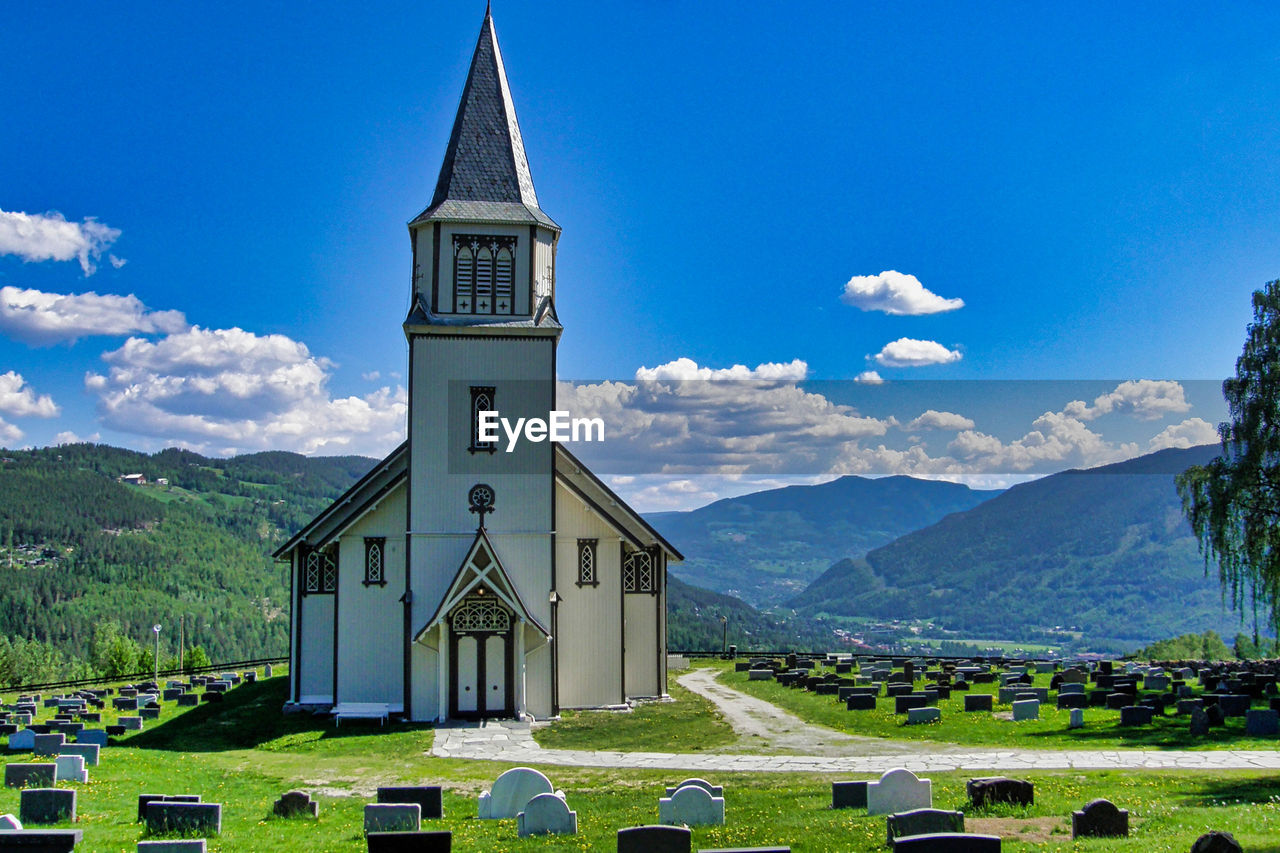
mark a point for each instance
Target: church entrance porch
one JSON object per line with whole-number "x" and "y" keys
{"x": 481, "y": 654}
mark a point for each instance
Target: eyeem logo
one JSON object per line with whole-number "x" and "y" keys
{"x": 558, "y": 427}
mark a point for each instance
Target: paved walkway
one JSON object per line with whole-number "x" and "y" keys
{"x": 511, "y": 741}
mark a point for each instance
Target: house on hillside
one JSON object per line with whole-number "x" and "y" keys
{"x": 132, "y": 479}
{"x": 458, "y": 580}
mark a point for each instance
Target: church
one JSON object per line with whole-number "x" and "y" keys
{"x": 458, "y": 580}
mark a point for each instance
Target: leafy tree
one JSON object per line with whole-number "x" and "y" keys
{"x": 114, "y": 654}
{"x": 1206, "y": 646}
{"x": 1233, "y": 502}
{"x": 197, "y": 658}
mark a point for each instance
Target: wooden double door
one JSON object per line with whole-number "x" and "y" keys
{"x": 482, "y": 664}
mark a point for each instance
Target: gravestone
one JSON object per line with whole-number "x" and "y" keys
{"x": 1234, "y": 705}
{"x": 130, "y": 724}
{"x": 1262, "y": 723}
{"x": 849, "y": 795}
{"x": 1077, "y": 719}
{"x": 1100, "y": 819}
{"x": 916, "y": 716}
{"x": 947, "y": 842}
{"x": 47, "y": 805}
{"x": 186, "y": 700}
{"x": 48, "y": 745}
{"x": 1026, "y": 709}
{"x": 173, "y": 845}
{"x": 1067, "y": 701}
{"x": 1199, "y": 721}
{"x": 1000, "y": 789}
{"x": 922, "y": 822}
{"x": 392, "y": 817}
{"x": 97, "y": 737}
{"x": 860, "y": 703}
{"x": 898, "y": 790}
{"x": 88, "y": 751}
{"x": 1135, "y": 715}
{"x": 977, "y": 702}
{"x": 169, "y": 816}
{"x": 691, "y": 805}
{"x": 8, "y": 822}
{"x": 30, "y": 775}
{"x": 1217, "y": 842}
{"x": 23, "y": 740}
{"x": 266, "y": 671}
{"x": 295, "y": 804}
{"x": 144, "y": 799}
{"x": 511, "y": 791}
{"x": 70, "y": 768}
{"x": 429, "y": 797}
{"x": 655, "y": 839}
{"x": 546, "y": 814}
{"x": 422, "y": 841}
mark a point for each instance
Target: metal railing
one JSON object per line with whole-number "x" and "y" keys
{"x": 146, "y": 676}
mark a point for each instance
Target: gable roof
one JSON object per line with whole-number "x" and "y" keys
{"x": 485, "y": 175}
{"x": 355, "y": 502}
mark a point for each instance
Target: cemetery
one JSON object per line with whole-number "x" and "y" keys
{"x": 238, "y": 774}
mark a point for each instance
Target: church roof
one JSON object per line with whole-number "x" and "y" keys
{"x": 485, "y": 175}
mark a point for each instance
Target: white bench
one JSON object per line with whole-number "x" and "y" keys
{"x": 361, "y": 711}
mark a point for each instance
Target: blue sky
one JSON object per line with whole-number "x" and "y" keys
{"x": 1097, "y": 185}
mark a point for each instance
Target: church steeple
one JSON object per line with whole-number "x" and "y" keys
{"x": 485, "y": 175}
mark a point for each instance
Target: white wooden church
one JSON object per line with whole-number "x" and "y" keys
{"x": 457, "y": 580}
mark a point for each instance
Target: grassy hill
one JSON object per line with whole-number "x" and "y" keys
{"x": 693, "y": 623}
{"x": 78, "y": 547}
{"x": 1105, "y": 551}
{"x": 768, "y": 546}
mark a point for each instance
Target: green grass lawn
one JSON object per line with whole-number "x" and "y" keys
{"x": 244, "y": 753}
{"x": 687, "y": 724}
{"x": 1102, "y": 726}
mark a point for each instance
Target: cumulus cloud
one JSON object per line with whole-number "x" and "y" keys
{"x": 50, "y": 237}
{"x": 688, "y": 369}
{"x": 933, "y": 419}
{"x": 69, "y": 437}
{"x": 17, "y": 398}
{"x": 1145, "y": 399}
{"x": 1192, "y": 432}
{"x": 909, "y": 352}
{"x": 895, "y": 293}
{"x": 868, "y": 377}
{"x": 40, "y": 318}
{"x": 229, "y": 390}
{"x": 9, "y": 434}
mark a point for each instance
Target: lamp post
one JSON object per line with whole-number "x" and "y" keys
{"x": 156, "y": 660}
{"x": 724, "y": 635}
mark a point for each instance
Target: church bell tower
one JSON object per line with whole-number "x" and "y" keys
{"x": 482, "y": 333}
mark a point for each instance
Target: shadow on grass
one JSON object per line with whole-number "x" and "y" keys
{"x": 1219, "y": 792}
{"x": 249, "y": 717}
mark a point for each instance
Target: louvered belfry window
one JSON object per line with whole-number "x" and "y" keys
{"x": 484, "y": 274}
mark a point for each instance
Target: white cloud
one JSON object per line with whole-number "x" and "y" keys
{"x": 1145, "y": 399}
{"x": 933, "y": 419}
{"x": 895, "y": 293}
{"x": 688, "y": 369}
{"x": 868, "y": 377}
{"x": 1192, "y": 432}
{"x": 371, "y": 376}
{"x": 40, "y": 318}
{"x": 50, "y": 237}
{"x": 69, "y": 437}
{"x": 229, "y": 390}
{"x": 909, "y": 352}
{"x": 9, "y": 434}
{"x": 17, "y": 398}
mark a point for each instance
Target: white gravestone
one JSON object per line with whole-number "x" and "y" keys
{"x": 1026, "y": 709}
{"x": 8, "y": 822}
{"x": 511, "y": 791}
{"x": 70, "y": 768}
{"x": 691, "y": 806}
{"x": 899, "y": 790}
{"x": 713, "y": 790}
{"x": 546, "y": 814}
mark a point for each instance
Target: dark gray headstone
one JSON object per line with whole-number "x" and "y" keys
{"x": 167, "y": 816}
{"x": 1262, "y": 722}
{"x": 47, "y": 805}
{"x": 923, "y": 822}
{"x": 427, "y": 796}
{"x": 30, "y": 775}
{"x": 295, "y": 804}
{"x": 1234, "y": 705}
{"x": 947, "y": 842}
{"x": 1100, "y": 819}
{"x": 422, "y": 841}
{"x": 849, "y": 795}
{"x": 655, "y": 839}
{"x": 977, "y": 702}
{"x": 1000, "y": 789}
{"x": 143, "y": 799}
{"x": 1135, "y": 715}
{"x": 859, "y": 702}
{"x": 41, "y": 840}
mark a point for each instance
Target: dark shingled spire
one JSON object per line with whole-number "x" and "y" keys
{"x": 485, "y": 171}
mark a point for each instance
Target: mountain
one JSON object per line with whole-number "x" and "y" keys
{"x": 694, "y": 623}
{"x": 1104, "y": 551}
{"x": 768, "y": 546}
{"x": 80, "y": 547}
